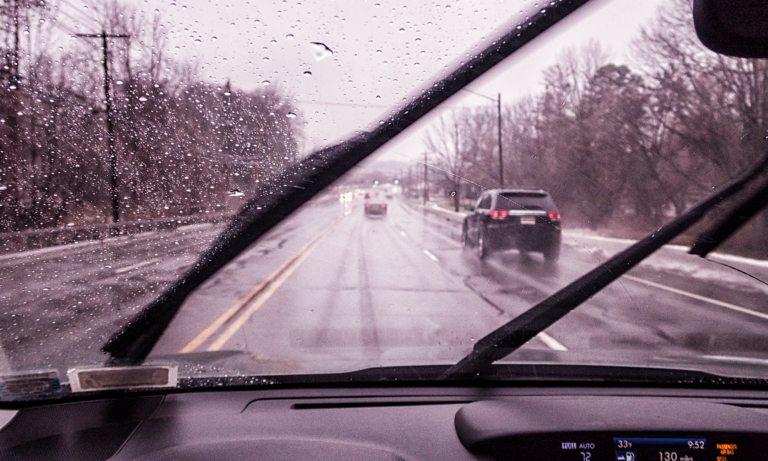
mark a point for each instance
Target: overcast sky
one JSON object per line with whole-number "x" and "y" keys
{"x": 382, "y": 52}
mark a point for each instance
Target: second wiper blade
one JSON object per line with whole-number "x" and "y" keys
{"x": 710, "y": 239}
{"x": 512, "y": 335}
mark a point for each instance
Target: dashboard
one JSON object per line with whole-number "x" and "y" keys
{"x": 402, "y": 423}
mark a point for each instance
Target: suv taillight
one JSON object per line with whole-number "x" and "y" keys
{"x": 554, "y": 216}
{"x": 499, "y": 214}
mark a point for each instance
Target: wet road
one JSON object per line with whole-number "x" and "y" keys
{"x": 331, "y": 290}
{"x": 345, "y": 292}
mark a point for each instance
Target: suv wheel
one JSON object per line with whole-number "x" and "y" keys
{"x": 552, "y": 253}
{"x": 465, "y": 237}
{"x": 483, "y": 248}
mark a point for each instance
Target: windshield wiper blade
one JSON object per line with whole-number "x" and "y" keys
{"x": 512, "y": 335}
{"x": 710, "y": 239}
{"x": 284, "y": 195}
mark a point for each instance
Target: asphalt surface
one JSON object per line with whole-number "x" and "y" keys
{"x": 330, "y": 290}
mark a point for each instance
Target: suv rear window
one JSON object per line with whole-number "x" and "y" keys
{"x": 526, "y": 201}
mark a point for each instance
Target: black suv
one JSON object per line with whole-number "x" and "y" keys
{"x": 504, "y": 219}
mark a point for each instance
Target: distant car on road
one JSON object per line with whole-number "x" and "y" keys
{"x": 375, "y": 205}
{"x": 523, "y": 219}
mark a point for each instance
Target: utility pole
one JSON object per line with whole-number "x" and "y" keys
{"x": 426, "y": 180}
{"x": 501, "y": 158}
{"x": 110, "y": 129}
{"x": 501, "y": 152}
{"x": 16, "y": 79}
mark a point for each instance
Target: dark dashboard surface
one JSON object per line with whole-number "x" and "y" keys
{"x": 587, "y": 424}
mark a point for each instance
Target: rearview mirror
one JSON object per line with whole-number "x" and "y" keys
{"x": 734, "y": 28}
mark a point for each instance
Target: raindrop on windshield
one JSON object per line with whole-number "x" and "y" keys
{"x": 265, "y": 82}
{"x": 320, "y": 51}
{"x": 289, "y": 37}
{"x": 307, "y": 74}
{"x": 290, "y": 115}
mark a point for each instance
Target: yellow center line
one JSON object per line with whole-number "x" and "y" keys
{"x": 271, "y": 281}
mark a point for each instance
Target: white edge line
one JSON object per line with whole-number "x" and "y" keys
{"x": 136, "y": 266}
{"x": 431, "y": 256}
{"x": 723, "y": 256}
{"x": 551, "y": 342}
{"x": 699, "y": 297}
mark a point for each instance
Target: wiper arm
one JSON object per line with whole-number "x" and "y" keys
{"x": 710, "y": 239}
{"x": 286, "y": 194}
{"x": 512, "y": 335}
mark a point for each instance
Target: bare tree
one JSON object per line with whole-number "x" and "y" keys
{"x": 460, "y": 140}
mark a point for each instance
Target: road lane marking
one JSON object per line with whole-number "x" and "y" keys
{"x": 136, "y": 266}
{"x": 699, "y": 297}
{"x": 431, "y": 256}
{"x": 551, "y": 342}
{"x": 5, "y": 365}
{"x": 270, "y": 280}
{"x": 270, "y": 286}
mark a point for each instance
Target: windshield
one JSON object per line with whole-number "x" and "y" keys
{"x": 132, "y": 132}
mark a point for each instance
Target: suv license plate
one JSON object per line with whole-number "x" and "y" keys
{"x": 528, "y": 220}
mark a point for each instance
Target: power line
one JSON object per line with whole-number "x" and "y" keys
{"x": 321, "y": 103}
{"x": 72, "y": 33}
{"x": 59, "y": 24}
{"x": 79, "y": 10}
{"x": 75, "y": 20}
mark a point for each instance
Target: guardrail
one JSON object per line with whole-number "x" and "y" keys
{"x": 448, "y": 215}
{"x": 13, "y": 242}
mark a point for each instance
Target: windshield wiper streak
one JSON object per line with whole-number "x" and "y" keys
{"x": 512, "y": 335}
{"x": 279, "y": 198}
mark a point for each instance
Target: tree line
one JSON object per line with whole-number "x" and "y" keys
{"x": 613, "y": 141}
{"x": 184, "y": 146}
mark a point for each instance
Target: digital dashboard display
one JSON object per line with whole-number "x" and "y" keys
{"x": 592, "y": 446}
{"x": 651, "y": 449}
{"x": 663, "y": 449}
